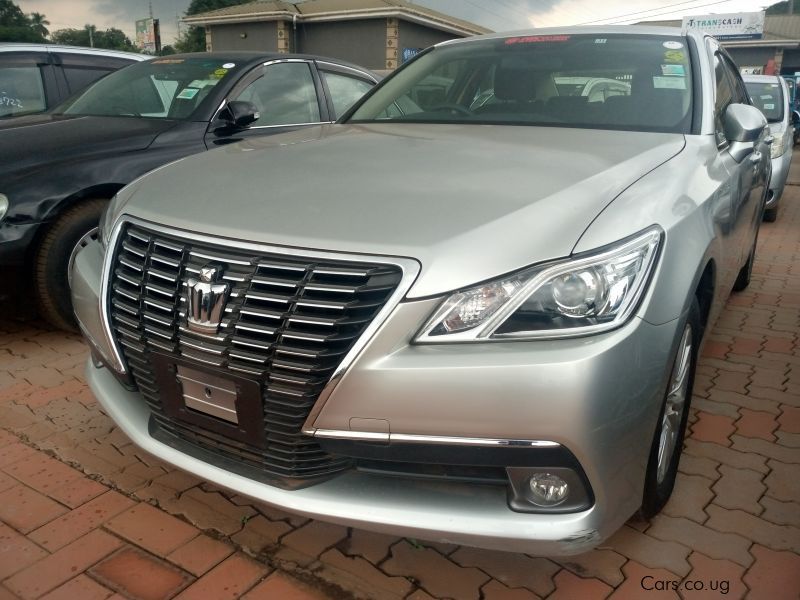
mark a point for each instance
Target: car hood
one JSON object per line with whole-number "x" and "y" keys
{"x": 469, "y": 202}
{"x": 39, "y": 140}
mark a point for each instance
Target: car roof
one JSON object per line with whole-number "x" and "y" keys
{"x": 254, "y": 57}
{"x": 14, "y": 47}
{"x": 585, "y": 30}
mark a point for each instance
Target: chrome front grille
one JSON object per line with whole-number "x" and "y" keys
{"x": 287, "y": 324}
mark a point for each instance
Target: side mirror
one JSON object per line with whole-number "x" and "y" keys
{"x": 743, "y": 125}
{"x": 796, "y": 118}
{"x": 239, "y": 114}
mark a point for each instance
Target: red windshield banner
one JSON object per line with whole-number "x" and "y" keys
{"x": 533, "y": 39}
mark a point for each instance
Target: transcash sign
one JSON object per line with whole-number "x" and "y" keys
{"x": 737, "y": 26}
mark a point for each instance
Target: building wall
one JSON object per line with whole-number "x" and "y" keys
{"x": 257, "y": 36}
{"x": 362, "y": 42}
{"x": 751, "y": 57}
{"x": 415, "y": 36}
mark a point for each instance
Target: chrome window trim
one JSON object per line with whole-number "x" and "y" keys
{"x": 409, "y": 267}
{"x": 409, "y": 438}
{"x": 360, "y": 74}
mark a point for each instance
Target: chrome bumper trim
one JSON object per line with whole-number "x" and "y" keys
{"x": 369, "y": 436}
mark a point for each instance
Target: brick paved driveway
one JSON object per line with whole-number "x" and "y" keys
{"x": 85, "y": 514}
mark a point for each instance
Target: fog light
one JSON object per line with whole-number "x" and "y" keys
{"x": 548, "y": 489}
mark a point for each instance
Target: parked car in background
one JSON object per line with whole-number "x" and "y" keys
{"x": 61, "y": 168}
{"x": 770, "y": 94}
{"x": 36, "y": 77}
{"x": 472, "y": 325}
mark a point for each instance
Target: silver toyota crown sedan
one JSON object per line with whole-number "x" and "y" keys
{"x": 469, "y": 312}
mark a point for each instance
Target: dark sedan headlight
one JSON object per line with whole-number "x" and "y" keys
{"x": 587, "y": 294}
{"x": 3, "y": 206}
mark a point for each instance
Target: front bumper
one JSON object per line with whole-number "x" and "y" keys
{"x": 15, "y": 240}
{"x": 598, "y": 397}
{"x": 780, "y": 171}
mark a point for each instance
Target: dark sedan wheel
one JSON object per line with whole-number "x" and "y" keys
{"x": 54, "y": 257}
{"x": 667, "y": 444}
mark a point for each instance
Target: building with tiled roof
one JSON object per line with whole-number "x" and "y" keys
{"x": 378, "y": 34}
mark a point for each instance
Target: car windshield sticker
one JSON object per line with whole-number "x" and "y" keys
{"x": 219, "y": 73}
{"x": 674, "y": 56}
{"x": 769, "y": 106}
{"x": 201, "y": 83}
{"x": 766, "y": 96}
{"x": 188, "y": 93}
{"x": 534, "y": 39}
{"x": 672, "y": 70}
{"x": 228, "y": 65}
{"x": 167, "y": 61}
{"x": 672, "y": 45}
{"x": 8, "y": 101}
{"x": 601, "y": 40}
{"x": 673, "y": 83}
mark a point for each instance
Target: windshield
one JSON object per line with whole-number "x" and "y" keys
{"x": 768, "y": 97}
{"x": 630, "y": 82}
{"x": 164, "y": 88}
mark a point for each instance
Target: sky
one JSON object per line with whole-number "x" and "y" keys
{"x": 499, "y": 15}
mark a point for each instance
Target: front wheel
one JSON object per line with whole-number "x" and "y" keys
{"x": 54, "y": 258}
{"x": 665, "y": 452}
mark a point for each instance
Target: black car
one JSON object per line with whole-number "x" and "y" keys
{"x": 36, "y": 77}
{"x": 61, "y": 168}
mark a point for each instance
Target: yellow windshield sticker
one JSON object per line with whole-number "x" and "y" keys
{"x": 674, "y": 56}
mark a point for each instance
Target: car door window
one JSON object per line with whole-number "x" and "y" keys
{"x": 79, "y": 77}
{"x": 21, "y": 90}
{"x": 344, "y": 90}
{"x": 284, "y": 95}
{"x": 725, "y": 95}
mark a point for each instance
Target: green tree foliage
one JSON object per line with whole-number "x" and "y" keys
{"x": 15, "y": 26}
{"x": 38, "y": 22}
{"x": 194, "y": 40}
{"x": 167, "y": 50}
{"x": 112, "y": 39}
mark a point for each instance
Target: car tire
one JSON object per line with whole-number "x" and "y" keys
{"x": 771, "y": 214}
{"x": 53, "y": 257}
{"x": 665, "y": 451}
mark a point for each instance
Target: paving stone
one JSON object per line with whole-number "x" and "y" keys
{"x": 570, "y": 587}
{"x": 756, "y": 424}
{"x": 732, "y": 381}
{"x": 728, "y": 456}
{"x": 789, "y": 419}
{"x": 259, "y": 533}
{"x": 151, "y": 529}
{"x": 6, "y": 482}
{"x": 314, "y": 538}
{"x": 280, "y": 586}
{"x": 774, "y": 378}
{"x": 58, "y": 568}
{"x": 713, "y": 428}
{"x": 717, "y": 578}
{"x": 697, "y": 465}
{"x": 601, "y": 564}
{"x": 780, "y": 513}
{"x": 210, "y": 510}
{"x": 79, "y": 588}
{"x": 706, "y": 539}
{"x": 228, "y": 580}
{"x": 16, "y": 552}
{"x": 514, "y": 570}
{"x": 724, "y": 409}
{"x": 773, "y": 574}
{"x": 368, "y": 544}
{"x": 438, "y": 575}
{"x": 16, "y": 451}
{"x": 494, "y": 590}
{"x": 355, "y": 573}
{"x": 773, "y": 396}
{"x": 764, "y": 448}
{"x": 26, "y": 509}
{"x": 644, "y": 582}
{"x": 137, "y": 574}
{"x": 777, "y": 537}
{"x": 200, "y": 554}
{"x": 783, "y": 482}
{"x": 695, "y": 493}
{"x": 790, "y": 440}
{"x": 749, "y": 400}
{"x": 739, "y": 488}
{"x": 650, "y": 551}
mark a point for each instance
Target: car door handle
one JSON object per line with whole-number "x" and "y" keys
{"x": 755, "y": 157}
{"x": 768, "y": 140}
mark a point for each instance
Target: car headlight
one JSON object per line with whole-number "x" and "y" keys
{"x": 587, "y": 294}
{"x": 3, "y": 206}
{"x": 778, "y": 146}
